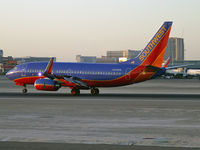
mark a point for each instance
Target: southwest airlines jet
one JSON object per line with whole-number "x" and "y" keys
{"x": 50, "y": 76}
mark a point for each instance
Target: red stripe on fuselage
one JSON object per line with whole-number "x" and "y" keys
{"x": 28, "y": 80}
{"x": 124, "y": 80}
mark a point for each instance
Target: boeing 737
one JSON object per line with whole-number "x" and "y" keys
{"x": 51, "y": 76}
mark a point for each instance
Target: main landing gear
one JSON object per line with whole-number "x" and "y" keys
{"x": 76, "y": 92}
{"x": 24, "y": 90}
{"x": 94, "y": 91}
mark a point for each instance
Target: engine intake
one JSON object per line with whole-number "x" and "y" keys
{"x": 46, "y": 85}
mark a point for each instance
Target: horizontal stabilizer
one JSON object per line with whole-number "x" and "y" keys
{"x": 152, "y": 69}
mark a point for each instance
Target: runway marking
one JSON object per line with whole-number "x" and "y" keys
{"x": 5, "y": 139}
{"x": 140, "y": 99}
{"x": 66, "y": 99}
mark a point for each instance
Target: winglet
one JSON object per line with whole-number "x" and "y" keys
{"x": 167, "y": 62}
{"x": 49, "y": 67}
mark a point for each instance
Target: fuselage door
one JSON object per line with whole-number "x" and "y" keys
{"x": 128, "y": 74}
{"x": 23, "y": 73}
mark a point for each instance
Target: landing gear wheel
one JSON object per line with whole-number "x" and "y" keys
{"x": 24, "y": 91}
{"x": 75, "y": 92}
{"x": 95, "y": 91}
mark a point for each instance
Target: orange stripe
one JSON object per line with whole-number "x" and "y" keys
{"x": 155, "y": 47}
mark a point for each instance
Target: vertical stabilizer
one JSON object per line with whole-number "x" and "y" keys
{"x": 153, "y": 53}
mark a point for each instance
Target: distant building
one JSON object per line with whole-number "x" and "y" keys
{"x": 1, "y": 52}
{"x": 6, "y": 63}
{"x": 21, "y": 60}
{"x": 9, "y": 64}
{"x": 94, "y": 59}
{"x": 175, "y": 50}
{"x": 5, "y": 59}
{"x": 111, "y": 57}
{"x": 114, "y": 54}
{"x": 87, "y": 59}
{"x": 1, "y": 56}
{"x": 105, "y": 59}
{"x": 129, "y": 54}
{"x": 1, "y": 68}
{"x": 123, "y": 54}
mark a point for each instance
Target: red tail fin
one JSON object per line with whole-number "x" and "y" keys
{"x": 153, "y": 53}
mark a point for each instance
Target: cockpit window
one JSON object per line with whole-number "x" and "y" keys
{"x": 15, "y": 68}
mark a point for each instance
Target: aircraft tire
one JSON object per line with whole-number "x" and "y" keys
{"x": 24, "y": 91}
{"x": 94, "y": 91}
{"x": 75, "y": 92}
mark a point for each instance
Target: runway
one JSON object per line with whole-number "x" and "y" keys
{"x": 153, "y": 113}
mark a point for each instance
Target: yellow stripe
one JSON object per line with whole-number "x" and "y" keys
{"x": 163, "y": 51}
{"x": 156, "y": 45}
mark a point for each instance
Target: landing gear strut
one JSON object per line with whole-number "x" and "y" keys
{"x": 94, "y": 91}
{"x": 24, "y": 90}
{"x": 75, "y": 91}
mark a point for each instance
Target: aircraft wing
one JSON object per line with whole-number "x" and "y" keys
{"x": 180, "y": 66}
{"x": 150, "y": 68}
{"x": 64, "y": 80}
{"x": 174, "y": 67}
{"x": 76, "y": 82}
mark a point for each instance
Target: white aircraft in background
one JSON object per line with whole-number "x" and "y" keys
{"x": 193, "y": 72}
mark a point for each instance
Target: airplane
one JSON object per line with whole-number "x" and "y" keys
{"x": 193, "y": 72}
{"x": 51, "y": 76}
{"x": 183, "y": 73}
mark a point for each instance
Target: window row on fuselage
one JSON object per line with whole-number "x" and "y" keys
{"x": 77, "y": 72}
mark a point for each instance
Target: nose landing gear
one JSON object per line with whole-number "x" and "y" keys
{"x": 24, "y": 90}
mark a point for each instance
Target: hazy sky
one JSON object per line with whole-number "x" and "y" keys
{"x": 65, "y": 28}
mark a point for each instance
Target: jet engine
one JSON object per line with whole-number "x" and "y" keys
{"x": 46, "y": 85}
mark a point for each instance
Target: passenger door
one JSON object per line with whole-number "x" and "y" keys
{"x": 128, "y": 73}
{"x": 23, "y": 73}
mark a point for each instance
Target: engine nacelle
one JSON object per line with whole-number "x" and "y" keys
{"x": 46, "y": 85}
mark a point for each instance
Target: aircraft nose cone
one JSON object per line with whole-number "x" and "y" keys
{"x": 8, "y": 75}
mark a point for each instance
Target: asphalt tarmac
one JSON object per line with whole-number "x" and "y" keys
{"x": 164, "y": 113}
